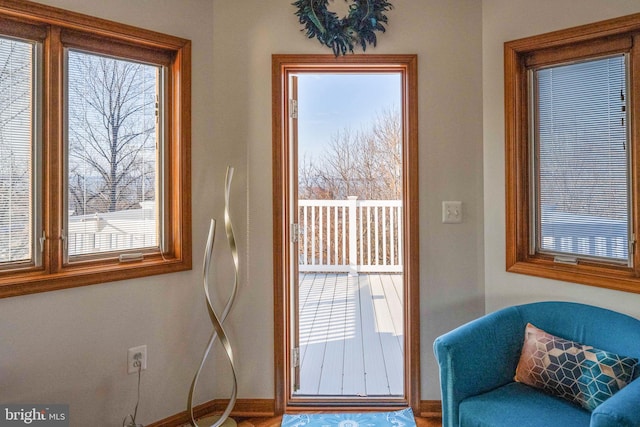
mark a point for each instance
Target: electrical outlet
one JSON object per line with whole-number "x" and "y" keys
{"x": 135, "y": 356}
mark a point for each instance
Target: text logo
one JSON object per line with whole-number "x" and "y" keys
{"x": 34, "y": 415}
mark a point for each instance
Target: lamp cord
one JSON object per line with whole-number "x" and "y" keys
{"x": 135, "y": 411}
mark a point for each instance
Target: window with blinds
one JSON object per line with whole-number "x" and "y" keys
{"x": 581, "y": 160}
{"x": 113, "y": 168}
{"x": 95, "y": 151}
{"x": 572, "y": 144}
{"x": 17, "y": 152}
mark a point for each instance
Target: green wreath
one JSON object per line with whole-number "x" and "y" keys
{"x": 341, "y": 35}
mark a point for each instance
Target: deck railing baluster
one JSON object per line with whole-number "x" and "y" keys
{"x": 351, "y": 235}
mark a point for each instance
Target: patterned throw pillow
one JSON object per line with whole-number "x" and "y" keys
{"x": 576, "y": 372}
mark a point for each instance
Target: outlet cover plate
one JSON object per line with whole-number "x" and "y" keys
{"x": 131, "y": 368}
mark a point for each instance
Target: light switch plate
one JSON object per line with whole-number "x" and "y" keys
{"x": 451, "y": 212}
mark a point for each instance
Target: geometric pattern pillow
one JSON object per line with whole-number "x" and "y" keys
{"x": 573, "y": 371}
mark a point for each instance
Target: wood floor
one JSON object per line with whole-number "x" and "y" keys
{"x": 275, "y": 422}
{"x": 351, "y": 335}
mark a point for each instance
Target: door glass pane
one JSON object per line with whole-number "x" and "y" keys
{"x": 350, "y": 232}
{"x": 16, "y": 151}
{"x": 583, "y": 199}
{"x": 113, "y": 164}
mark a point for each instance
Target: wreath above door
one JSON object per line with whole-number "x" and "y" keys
{"x": 365, "y": 17}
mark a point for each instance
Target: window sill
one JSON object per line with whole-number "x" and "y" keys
{"x": 79, "y": 275}
{"x": 616, "y": 278}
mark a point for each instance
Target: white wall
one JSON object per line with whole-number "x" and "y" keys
{"x": 505, "y": 20}
{"x": 70, "y": 346}
{"x": 446, "y": 35}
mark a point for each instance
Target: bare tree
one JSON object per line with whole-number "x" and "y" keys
{"x": 112, "y": 125}
{"x": 387, "y": 134}
{"x": 366, "y": 164}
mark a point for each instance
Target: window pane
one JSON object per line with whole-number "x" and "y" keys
{"x": 112, "y": 156}
{"x": 16, "y": 121}
{"x": 582, "y": 159}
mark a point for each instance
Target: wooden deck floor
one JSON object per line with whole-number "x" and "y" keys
{"x": 351, "y": 335}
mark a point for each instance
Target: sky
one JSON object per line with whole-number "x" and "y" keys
{"x": 331, "y": 102}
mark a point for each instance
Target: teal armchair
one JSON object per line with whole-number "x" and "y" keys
{"x": 478, "y": 362}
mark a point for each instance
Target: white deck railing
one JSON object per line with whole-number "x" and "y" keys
{"x": 355, "y": 236}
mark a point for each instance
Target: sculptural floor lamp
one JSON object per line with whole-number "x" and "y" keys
{"x": 218, "y": 333}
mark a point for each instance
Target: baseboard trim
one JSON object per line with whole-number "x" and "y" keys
{"x": 243, "y": 408}
{"x": 431, "y": 408}
{"x": 250, "y": 408}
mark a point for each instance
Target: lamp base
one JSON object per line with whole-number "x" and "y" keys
{"x": 209, "y": 421}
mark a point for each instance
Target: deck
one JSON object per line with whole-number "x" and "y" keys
{"x": 351, "y": 335}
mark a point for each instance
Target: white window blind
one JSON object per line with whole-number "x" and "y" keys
{"x": 113, "y": 162}
{"x": 16, "y": 151}
{"x": 582, "y": 205}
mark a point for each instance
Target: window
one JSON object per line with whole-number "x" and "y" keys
{"x": 571, "y": 154}
{"x": 580, "y": 160}
{"x": 111, "y": 155}
{"x": 17, "y": 180}
{"x": 94, "y": 151}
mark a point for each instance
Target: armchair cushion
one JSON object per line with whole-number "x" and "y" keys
{"x": 621, "y": 410}
{"x": 517, "y": 404}
{"x": 579, "y": 373}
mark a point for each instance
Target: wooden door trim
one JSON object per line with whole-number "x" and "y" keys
{"x": 408, "y": 66}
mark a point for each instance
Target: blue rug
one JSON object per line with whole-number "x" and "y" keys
{"x": 403, "y": 418}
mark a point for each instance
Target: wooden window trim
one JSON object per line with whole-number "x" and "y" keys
{"x": 93, "y": 43}
{"x": 597, "y": 39}
{"x": 55, "y": 27}
{"x": 15, "y": 28}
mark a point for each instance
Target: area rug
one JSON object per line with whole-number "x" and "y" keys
{"x": 402, "y": 418}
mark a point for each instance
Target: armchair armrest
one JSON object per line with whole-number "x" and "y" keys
{"x": 477, "y": 357}
{"x": 620, "y": 410}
